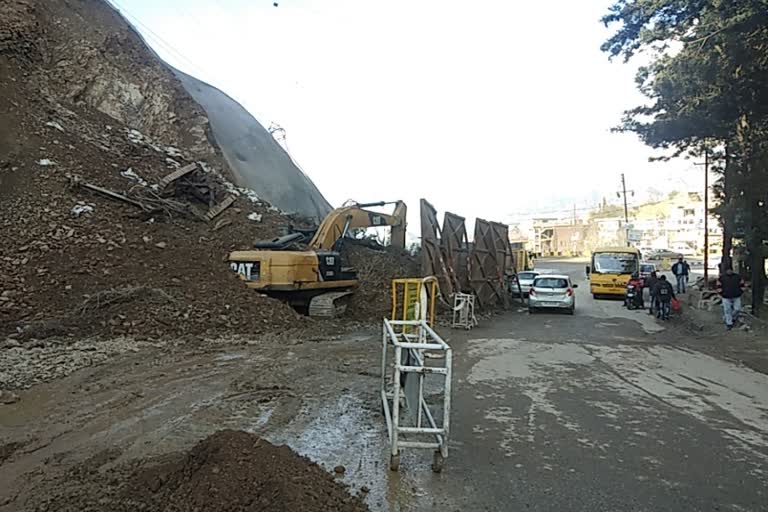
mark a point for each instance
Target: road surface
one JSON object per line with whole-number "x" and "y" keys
{"x": 602, "y": 411}
{"x": 606, "y": 410}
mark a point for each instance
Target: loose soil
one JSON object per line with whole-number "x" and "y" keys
{"x": 228, "y": 471}
{"x": 80, "y": 264}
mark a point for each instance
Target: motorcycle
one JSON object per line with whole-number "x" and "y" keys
{"x": 634, "y": 297}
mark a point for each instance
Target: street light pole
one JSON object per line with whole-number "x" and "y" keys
{"x": 626, "y": 209}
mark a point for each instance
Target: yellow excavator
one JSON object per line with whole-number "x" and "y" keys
{"x": 313, "y": 280}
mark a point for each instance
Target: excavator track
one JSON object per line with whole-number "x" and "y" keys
{"x": 326, "y": 305}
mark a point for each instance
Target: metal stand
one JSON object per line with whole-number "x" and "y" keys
{"x": 463, "y": 311}
{"x": 411, "y": 351}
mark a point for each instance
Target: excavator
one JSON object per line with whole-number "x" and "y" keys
{"x": 314, "y": 281}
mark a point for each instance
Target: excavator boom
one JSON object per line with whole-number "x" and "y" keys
{"x": 340, "y": 221}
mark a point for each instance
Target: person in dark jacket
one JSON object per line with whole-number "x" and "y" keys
{"x": 650, "y": 284}
{"x": 730, "y": 286}
{"x": 665, "y": 292}
{"x": 681, "y": 269}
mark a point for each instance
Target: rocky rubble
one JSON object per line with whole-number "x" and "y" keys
{"x": 24, "y": 364}
{"x": 228, "y": 471}
{"x": 376, "y": 267}
{"x": 93, "y": 264}
{"x": 75, "y": 262}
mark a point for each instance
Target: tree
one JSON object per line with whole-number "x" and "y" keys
{"x": 706, "y": 86}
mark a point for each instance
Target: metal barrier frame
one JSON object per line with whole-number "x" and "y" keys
{"x": 417, "y": 342}
{"x": 463, "y": 311}
{"x": 425, "y": 311}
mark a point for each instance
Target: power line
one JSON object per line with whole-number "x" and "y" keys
{"x": 159, "y": 40}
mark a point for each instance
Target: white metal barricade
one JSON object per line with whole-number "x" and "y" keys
{"x": 464, "y": 311}
{"x": 411, "y": 353}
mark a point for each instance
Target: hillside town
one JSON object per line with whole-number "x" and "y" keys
{"x": 674, "y": 224}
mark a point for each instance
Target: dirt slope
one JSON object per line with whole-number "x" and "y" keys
{"x": 84, "y": 53}
{"x": 228, "y": 471}
{"x": 111, "y": 269}
{"x": 80, "y": 96}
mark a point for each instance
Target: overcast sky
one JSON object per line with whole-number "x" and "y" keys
{"x": 488, "y": 109}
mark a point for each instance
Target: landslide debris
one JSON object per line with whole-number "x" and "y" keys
{"x": 77, "y": 262}
{"x": 228, "y": 471}
{"x": 376, "y": 267}
{"x": 83, "y": 101}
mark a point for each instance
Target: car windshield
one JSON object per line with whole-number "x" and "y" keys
{"x": 550, "y": 282}
{"x": 526, "y": 276}
{"x": 614, "y": 263}
{"x": 646, "y": 268}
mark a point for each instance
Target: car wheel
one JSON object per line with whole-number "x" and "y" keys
{"x": 572, "y": 310}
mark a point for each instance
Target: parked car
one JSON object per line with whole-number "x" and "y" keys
{"x": 552, "y": 291}
{"x": 526, "y": 280}
{"x": 646, "y": 269}
{"x": 660, "y": 254}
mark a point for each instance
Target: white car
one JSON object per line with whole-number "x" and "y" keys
{"x": 525, "y": 278}
{"x": 552, "y": 291}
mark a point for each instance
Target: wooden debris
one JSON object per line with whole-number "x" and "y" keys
{"x": 175, "y": 175}
{"x": 78, "y": 182}
{"x": 216, "y": 210}
{"x": 221, "y": 223}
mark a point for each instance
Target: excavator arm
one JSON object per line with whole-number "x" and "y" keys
{"x": 338, "y": 223}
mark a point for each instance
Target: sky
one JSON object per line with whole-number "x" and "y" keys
{"x": 497, "y": 109}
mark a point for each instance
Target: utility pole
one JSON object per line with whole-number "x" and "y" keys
{"x": 706, "y": 217}
{"x": 626, "y": 208}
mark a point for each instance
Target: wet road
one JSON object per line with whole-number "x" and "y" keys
{"x": 606, "y": 410}
{"x": 602, "y": 411}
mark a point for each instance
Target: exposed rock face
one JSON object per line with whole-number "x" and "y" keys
{"x": 84, "y": 53}
{"x": 94, "y": 58}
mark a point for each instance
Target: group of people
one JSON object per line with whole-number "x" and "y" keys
{"x": 660, "y": 291}
{"x": 730, "y": 287}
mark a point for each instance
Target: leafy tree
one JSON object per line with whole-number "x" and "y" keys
{"x": 706, "y": 88}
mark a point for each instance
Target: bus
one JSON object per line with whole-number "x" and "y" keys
{"x": 611, "y": 268}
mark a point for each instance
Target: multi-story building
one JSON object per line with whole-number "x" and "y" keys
{"x": 676, "y": 223}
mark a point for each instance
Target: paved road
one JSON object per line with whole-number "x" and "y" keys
{"x": 602, "y": 411}
{"x": 606, "y": 410}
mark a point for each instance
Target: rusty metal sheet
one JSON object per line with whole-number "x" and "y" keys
{"x": 489, "y": 263}
{"x": 455, "y": 246}
{"x": 432, "y": 258}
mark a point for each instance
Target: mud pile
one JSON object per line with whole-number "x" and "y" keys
{"x": 83, "y": 101}
{"x": 75, "y": 259}
{"x": 228, "y": 471}
{"x": 77, "y": 262}
{"x": 376, "y": 268}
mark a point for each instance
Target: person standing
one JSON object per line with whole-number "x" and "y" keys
{"x": 650, "y": 284}
{"x": 681, "y": 269}
{"x": 730, "y": 286}
{"x": 664, "y": 293}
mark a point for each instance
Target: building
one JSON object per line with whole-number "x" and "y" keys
{"x": 677, "y": 224}
{"x": 554, "y": 237}
{"x": 610, "y": 231}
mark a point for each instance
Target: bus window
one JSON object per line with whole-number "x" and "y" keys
{"x": 615, "y": 263}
